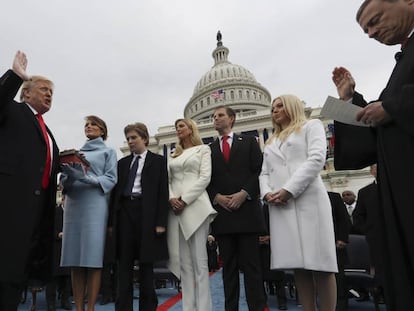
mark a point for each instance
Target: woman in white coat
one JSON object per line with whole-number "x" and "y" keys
{"x": 300, "y": 215}
{"x": 190, "y": 215}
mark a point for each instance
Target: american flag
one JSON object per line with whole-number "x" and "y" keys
{"x": 331, "y": 129}
{"x": 219, "y": 94}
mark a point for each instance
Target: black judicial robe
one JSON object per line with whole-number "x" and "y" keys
{"x": 392, "y": 146}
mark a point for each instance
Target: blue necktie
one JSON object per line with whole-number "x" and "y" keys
{"x": 131, "y": 177}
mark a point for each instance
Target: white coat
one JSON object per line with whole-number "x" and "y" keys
{"x": 189, "y": 176}
{"x": 301, "y": 232}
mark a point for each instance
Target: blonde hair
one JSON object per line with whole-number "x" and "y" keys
{"x": 31, "y": 83}
{"x": 295, "y": 111}
{"x": 195, "y": 136}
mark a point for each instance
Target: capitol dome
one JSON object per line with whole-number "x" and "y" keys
{"x": 226, "y": 84}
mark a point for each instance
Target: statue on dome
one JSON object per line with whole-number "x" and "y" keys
{"x": 219, "y": 43}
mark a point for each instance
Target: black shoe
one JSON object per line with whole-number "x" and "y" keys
{"x": 282, "y": 303}
{"x": 104, "y": 300}
{"x": 362, "y": 297}
{"x": 65, "y": 304}
{"x": 51, "y": 307}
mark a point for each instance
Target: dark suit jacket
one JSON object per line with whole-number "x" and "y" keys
{"x": 342, "y": 224}
{"x": 241, "y": 172}
{"x": 154, "y": 182}
{"x": 366, "y": 220}
{"x": 22, "y": 159}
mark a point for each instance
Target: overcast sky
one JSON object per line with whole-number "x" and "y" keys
{"x": 131, "y": 60}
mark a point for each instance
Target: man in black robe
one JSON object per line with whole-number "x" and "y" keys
{"x": 389, "y": 141}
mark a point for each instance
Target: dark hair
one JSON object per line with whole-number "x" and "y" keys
{"x": 99, "y": 123}
{"x": 140, "y": 128}
{"x": 229, "y": 111}
{"x": 365, "y": 4}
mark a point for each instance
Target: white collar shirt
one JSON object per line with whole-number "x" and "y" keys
{"x": 137, "y": 188}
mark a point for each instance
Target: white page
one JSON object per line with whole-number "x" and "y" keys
{"x": 341, "y": 111}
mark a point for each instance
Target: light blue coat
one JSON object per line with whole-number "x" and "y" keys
{"x": 86, "y": 207}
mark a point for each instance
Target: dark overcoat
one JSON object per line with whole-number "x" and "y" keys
{"x": 391, "y": 145}
{"x": 26, "y": 226}
{"x": 154, "y": 182}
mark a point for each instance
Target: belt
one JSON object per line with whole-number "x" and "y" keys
{"x": 132, "y": 197}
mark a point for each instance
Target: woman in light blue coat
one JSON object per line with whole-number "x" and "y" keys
{"x": 87, "y": 192}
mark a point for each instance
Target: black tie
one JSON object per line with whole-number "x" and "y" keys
{"x": 131, "y": 177}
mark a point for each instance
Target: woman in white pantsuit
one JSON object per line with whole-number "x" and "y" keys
{"x": 190, "y": 216}
{"x": 300, "y": 215}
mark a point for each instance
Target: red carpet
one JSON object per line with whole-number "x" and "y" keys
{"x": 169, "y": 303}
{"x": 173, "y": 300}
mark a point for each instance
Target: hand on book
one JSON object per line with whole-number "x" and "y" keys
{"x": 73, "y": 170}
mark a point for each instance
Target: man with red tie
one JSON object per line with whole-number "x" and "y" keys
{"x": 234, "y": 192}
{"x": 28, "y": 168}
{"x": 389, "y": 140}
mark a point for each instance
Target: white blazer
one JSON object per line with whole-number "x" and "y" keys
{"x": 301, "y": 232}
{"x": 189, "y": 176}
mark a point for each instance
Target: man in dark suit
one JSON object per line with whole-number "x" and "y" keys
{"x": 388, "y": 142}
{"x": 342, "y": 226}
{"x": 139, "y": 206}
{"x": 366, "y": 223}
{"x": 234, "y": 191}
{"x": 349, "y": 199}
{"x": 28, "y": 167}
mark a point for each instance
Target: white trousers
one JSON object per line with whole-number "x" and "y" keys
{"x": 195, "y": 282}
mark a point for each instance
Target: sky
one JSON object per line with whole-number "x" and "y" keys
{"x": 138, "y": 61}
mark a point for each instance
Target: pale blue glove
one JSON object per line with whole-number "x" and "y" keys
{"x": 73, "y": 170}
{"x": 88, "y": 179}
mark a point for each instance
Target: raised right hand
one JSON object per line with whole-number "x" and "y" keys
{"x": 19, "y": 65}
{"x": 344, "y": 82}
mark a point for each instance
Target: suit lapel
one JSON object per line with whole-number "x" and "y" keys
{"x": 30, "y": 115}
{"x": 215, "y": 149}
{"x": 235, "y": 146}
{"x": 275, "y": 148}
{"x": 147, "y": 164}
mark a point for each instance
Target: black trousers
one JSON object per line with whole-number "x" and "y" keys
{"x": 240, "y": 252}
{"x": 129, "y": 241}
{"x": 10, "y": 296}
{"x": 61, "y": 284}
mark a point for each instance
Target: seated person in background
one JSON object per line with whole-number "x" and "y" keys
{"x": 61, "y": 281}
{"x": 342, "y": 226}
{"x": 273, "y": 279}
{"x": 212, "y": 253}
{"x": 366, "y": 223}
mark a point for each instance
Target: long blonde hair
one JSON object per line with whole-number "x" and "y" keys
{"x": 195, "y": 136}
{"x": 295, "y": 111}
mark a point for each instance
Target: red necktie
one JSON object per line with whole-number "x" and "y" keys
{"x": 226, "y": 148}
{"x": 46, "y": 172}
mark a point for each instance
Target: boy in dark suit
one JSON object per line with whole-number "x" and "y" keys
{"x": 139, "y": 207}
